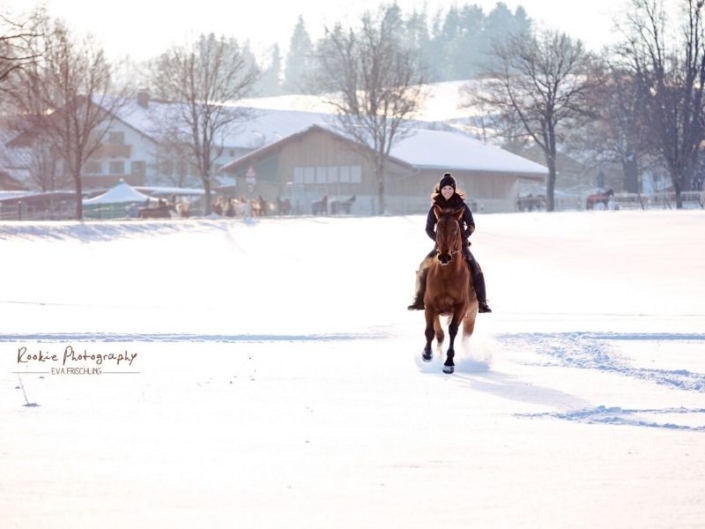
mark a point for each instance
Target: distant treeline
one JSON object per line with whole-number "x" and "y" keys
{"x": 452, "y": 44}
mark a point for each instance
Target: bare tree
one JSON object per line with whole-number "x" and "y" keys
{"x": 377, "y": 86}
{"x": 619, "y": 135}
{"x": 198, "y": 80}
{"x": 38, "y": 159}
{"x": 64, "y": 99}
{"x": 490, "y": 122}
{"x": 669, "y": 65}
{"x": 16, "y": 37}
{"x": 543, "y": 81}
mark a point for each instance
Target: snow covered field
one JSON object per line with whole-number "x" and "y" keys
{"x": 275, "y": 378}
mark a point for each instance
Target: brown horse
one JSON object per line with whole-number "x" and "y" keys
{"x": 342, "y": 206}
{"x": 599, "y": 200}
{"x": 448, "y": 289}
{"x": 320, "y": 207}
{"x": 161, "y": 211}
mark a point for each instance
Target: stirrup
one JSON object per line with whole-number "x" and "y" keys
{"x": 483, "y": 307}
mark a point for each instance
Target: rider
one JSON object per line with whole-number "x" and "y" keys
{"x": 446, "y": 196}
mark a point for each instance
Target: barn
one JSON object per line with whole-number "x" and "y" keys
{"x": 322, "y": 161}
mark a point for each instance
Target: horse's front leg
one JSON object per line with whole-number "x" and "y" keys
{"x": 430, "y": 333}
{"x": 449, "y": 365}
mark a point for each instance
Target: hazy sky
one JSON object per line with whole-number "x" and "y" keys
{"x": 144, "y": 28}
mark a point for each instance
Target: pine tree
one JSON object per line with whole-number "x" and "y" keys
{"x": 298, "y": 60}
{"x": 270, "y": 83}
{"x": 464, "y": 52}
{"x": 418, "y": 38}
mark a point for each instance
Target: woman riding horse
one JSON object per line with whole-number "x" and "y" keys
{"x": 446, "y": 196}
{"x": 447, "y": 292}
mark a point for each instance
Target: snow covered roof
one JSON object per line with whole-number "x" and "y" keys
{"x": 259, "y": 126}
{"x": 121, "y": 193}
{"x": 427, "y": 149}
{"x": 13, "y": 194}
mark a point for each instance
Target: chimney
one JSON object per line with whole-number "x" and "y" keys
{"x": 143, "y": 97}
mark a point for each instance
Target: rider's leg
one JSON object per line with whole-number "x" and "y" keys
{"x": 478, "y": 279}
{"x": 421, "y": 275}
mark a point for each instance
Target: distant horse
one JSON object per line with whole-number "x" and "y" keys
{"x": 448, "y": 291}
{"x": 219, "y": 205}
{"x": 260, "y": 207}
{"x": 161, "y": 211}
{"x": 598, "y": 200}
{"x": 239, "y": 207}
{"x": 341, "y": 206}
{"x": 183, "y": 209}
{"x": 283, "y": 206}
{"x": 531, "y": 203}
{"x": 232, "y": 207}
{"x": 320, "y": 207}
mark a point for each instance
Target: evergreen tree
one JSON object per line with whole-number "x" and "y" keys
{"x": 270, "y": 83}
{"x": 298, "y": 60}
{"x": 463, "y": 54}
{"x": 499, "y": 25}
{"x": 436, "y": 48}
{"x": 417, "y": 38}
{"x": 450, "y": 32}
{"x": 522, "y": 22}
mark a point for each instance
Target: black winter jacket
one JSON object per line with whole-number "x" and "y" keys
{"x": 454, "y": 202}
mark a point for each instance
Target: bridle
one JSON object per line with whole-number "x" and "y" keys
{"x": 454, "y": 247}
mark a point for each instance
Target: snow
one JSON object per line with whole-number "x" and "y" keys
{"x": 442, "y": 148}
{"x": 120, "y": 193}
{"x": 444, "y": 101}
{"x": 256, "y": 127}
{"x": 277, "y": 381}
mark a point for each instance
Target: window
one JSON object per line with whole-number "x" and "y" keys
{"x": 309, "y": 175}
{"x": 117, "y": 167}
{"x": 329, "y": 174}
{"x": 116, "y": 138}
{"x": 321, "y": 175}
{"x": 93, "y": 167}
{"x": 139, "y": 168}
{"x": 166, "y": 167}
{"x": 345, "y": 174}
{"x": 356, "y": 174}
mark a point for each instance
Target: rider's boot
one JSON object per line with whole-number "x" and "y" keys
{"x": 420, "y": 290}
{"x": 481, "y": 293}
{"x": 478, "y": 279}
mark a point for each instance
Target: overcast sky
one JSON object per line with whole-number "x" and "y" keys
{"x": 144, "y": 28}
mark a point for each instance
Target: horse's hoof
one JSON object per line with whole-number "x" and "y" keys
{"x": 449, "y": 369}
{"x": 426, "y": 358}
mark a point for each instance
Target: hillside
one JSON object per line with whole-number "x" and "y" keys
{"x": 442, "y": 104}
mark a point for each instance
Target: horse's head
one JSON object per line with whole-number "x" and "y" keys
{"x": 449, "y": 240}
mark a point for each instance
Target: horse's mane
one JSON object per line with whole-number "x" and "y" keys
{"x": 448, "y": 212}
